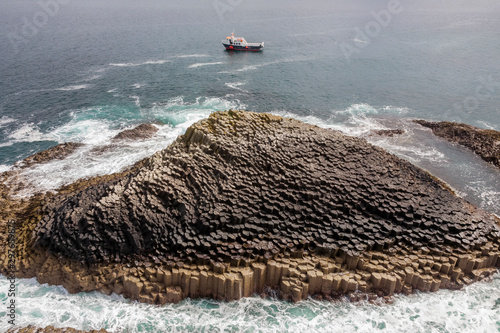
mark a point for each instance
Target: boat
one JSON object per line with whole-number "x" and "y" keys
{"x": 232, "y": 43}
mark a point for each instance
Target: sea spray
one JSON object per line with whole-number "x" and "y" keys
{"x": 95, "y": 127}
{"x": 475, "y": 308}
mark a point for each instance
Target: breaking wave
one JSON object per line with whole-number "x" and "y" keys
{"x": 95, "y": 127}
{"x": 476, "y": 308}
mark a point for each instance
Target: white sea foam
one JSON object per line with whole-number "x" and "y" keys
{"x": 185, "y": 113}
{"x": 95, "y": 128}
{"x": 247, "y": 68}
{"x": 396, "y": 109}
{"x": 4, "y": 167}
{"x": 138, "y": 85}
{"x": 236, "y": 85}
{"x": 149, "y": 62}
{"x": 490, "y": 196}
{"x": 156, "y": 62}
{"x": 74, "y": 87}
{"x": 201, "y": 64}
{"x": 256, "y": 66}
{"x": 87, "y": 162}
{"x": 87, "y": 131}
{"x": 6, "y": 120}
{"x": 476, "y": 308}
{"x": 486, "y": 125}
{"x": 358, "y": 109}
{"x": 307, "y": 119}
{"x": 412, "y": 152}
{"x": 487, "y": 189}
{"x": 137, "y": 100}
{"x": 101, "y": 70}
{"x": 128, "y": 64}
{"x": 67, "y": 88}
{"x": 357, "y": 40}
{"x": 27, "y": 133}
{"x": 112, "y": 90}
{"x": 92, "y": 78}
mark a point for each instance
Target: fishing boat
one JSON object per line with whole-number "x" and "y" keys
{"x": 232, "y": 43}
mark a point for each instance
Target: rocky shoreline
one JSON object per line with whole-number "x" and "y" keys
{"x": 485, "y": 143}
{"x": 247, "y": 203}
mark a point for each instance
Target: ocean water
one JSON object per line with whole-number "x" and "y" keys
{"x": 84, "y": 70}
{"x": 476, "y": 308}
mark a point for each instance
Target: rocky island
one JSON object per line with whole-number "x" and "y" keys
{"x": 484, "y": 142}
{"x": 247, "y": 203}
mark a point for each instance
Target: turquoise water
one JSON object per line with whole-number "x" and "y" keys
{"x": 96, "y": 68}
{"x": 476, "y": 308}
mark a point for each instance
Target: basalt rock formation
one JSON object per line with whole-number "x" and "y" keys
{"x": 485, "y": 143}
{"x": 246, "y": 202}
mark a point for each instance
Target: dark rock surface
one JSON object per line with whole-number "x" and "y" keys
{"x": 485, "y": 143}
{"x": 241, "y": 186}
{"x": 141, "y": 132}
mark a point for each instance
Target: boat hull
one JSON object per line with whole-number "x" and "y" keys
{"x": 243, "y": 48}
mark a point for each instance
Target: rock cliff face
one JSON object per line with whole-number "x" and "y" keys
{"x": 485, "y": 143}
{"x": 247, "y": 202}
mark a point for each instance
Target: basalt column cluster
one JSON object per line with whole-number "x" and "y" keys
{"x": 246, "y": 201}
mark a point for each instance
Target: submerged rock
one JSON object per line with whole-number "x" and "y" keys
{"x": 389, "y": 132}
{"x": 246, "y": 202}
{"x": 484, "y": 142}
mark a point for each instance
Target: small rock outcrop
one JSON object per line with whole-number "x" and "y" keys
{"x": 61, "y": 151}
{"x": 245, "y": 203}
{"x": 484, "y": 142}
{"x": 389, "y": 132}
{"x": 141, "y": 132}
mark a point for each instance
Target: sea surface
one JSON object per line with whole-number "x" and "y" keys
{"x": 84, "y": 70}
